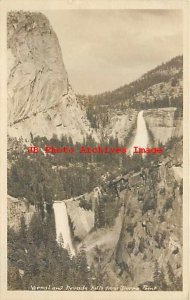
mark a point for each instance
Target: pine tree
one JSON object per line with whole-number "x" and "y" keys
{"x": 14, "y": 280}
{"x": 60, "y": 240}
{"x": 96, "y": 217}
{"x": 163, "y": 284}
{"x": 159, "y": 278}
{"x": 101, "y": 214}
{"x": 35, "y": 232}
{"x": 156, "y": 273}
{"x": 82, "y": 268}
{"x": 179, "y": 283}
{"x": 23, "y": 230}
{"x": 171, "y": 276}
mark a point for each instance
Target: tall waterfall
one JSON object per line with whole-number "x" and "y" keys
{"x": 141, "y": 138}
{"x": 62, "y": 225}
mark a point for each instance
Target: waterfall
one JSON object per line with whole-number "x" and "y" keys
{"x": 141, "y": 138}
{"x": 62, "y": 225}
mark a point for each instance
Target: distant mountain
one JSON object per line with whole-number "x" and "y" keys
{"x": 154, "y": 89}
{"x": 114, "y": 113}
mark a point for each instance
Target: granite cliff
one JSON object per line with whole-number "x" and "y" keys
{"x": 163, "y": 124}
{"x": 16, "y": 209}
{"x": 40, "y": 98}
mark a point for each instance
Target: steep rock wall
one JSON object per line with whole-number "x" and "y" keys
{"x": 121, "y": 125}
{"x": 147, "y": 231}
{"x": 16, "y": 208}
{"x": 40, "y": 98}
{"x": 82, "y": 219}
{"x": 163, "y": 124}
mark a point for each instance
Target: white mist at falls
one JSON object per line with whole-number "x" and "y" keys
{"x": 141, "y": 138}
{"x": 62, "y": 225}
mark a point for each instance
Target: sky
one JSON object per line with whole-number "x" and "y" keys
{"x": 105, "y": 49}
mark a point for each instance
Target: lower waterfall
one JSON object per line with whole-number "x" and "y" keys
{"x": 62, "y": 225}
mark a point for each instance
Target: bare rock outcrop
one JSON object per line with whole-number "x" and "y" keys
{"x": 163, "y": 124}
{"x": 16, "y": 209}
{"x": 40, "y": 98}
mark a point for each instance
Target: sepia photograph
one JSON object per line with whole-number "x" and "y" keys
{"x": 95, "y": 102}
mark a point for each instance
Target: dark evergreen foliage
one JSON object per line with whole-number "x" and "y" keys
{"x": 41, "y": 259}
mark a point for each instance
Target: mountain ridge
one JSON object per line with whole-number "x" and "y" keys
{"x": 172, "y": 69}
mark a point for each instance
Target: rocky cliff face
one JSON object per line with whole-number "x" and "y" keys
{"x": 121, "y": 124}
{"x": 163, "y": 123}
{"x": 82, "y": 220}
{"x": 40, "y": 98}
{"x": 147, "y": 235}
{"x": 151, "y": 231}
{"x": 16, "y": 208}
